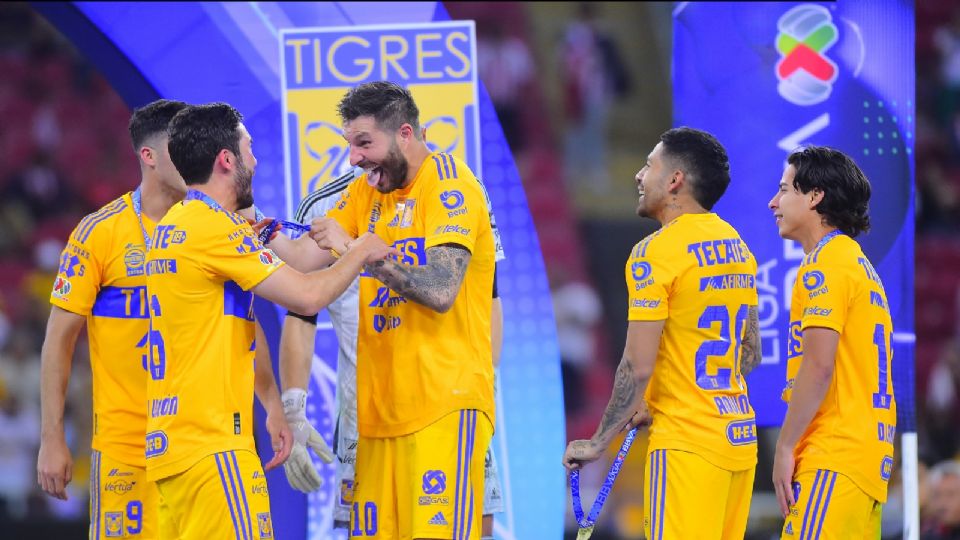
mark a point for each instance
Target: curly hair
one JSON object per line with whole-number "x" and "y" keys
{"x": 701, "y": 157}
{"x": 846, "y": 190}
{"x": 389, "y": 103}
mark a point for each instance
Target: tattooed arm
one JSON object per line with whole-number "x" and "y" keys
{"x": 751, "y": 355}
{"x": 626, "y": 404}
{"x": 435, "y": 284}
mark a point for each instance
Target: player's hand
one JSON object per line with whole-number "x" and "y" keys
{"x": 328, "y": 234}
{"x": 580, "y": 453}
{"x": 784, "y": 464}
{"x": 259, "y": 226}
{"x": 640, "y": 418}
{"x": 54, "y": 467}
{"x": 281, "y": 438}
{"x": 301, "y": 474}
{"x": 374, "y": 248}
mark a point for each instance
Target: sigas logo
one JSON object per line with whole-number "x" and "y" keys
{"x": 434, "y": 482}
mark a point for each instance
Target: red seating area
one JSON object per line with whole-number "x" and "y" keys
{"x": 60, "y": 116}
{"x": 937, "y": 288}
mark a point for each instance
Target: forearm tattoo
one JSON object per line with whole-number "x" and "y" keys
{"x": 620, "y": 408}
{"x": 434, "y": 284}
{"x": 751, "y": 355}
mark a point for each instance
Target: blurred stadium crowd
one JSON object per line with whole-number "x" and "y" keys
{"x": 65, "y": 151}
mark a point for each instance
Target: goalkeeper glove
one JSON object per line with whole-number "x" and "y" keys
{"x": 301, "y": 474}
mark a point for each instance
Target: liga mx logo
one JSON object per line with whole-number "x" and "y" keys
{"x": 805, "y": 71}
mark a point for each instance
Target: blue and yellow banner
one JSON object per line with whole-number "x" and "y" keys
{"x": 319, "y": 65}
{"x": 788, "y": 74}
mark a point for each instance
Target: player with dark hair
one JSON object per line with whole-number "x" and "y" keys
{"x": 101, "y": 282}
{"x": 834, "y": 455}
{"x": 693, "y": 335}
{"x": 204, "y": 265}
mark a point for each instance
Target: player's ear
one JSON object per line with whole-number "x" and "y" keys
{"x": 225, "y": 160}
{"x": 406, "y": 133}
{"x": 677, "y": 181}
{"x": 814, "y": 197}
{"x": 148, "y": 156}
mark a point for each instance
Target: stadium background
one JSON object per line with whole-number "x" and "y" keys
{"x": 64, "y": 151}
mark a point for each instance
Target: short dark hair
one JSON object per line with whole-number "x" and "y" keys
{"x": 701, "y": 156}
{"x": 198, "y": 134}
{"x": 389, "y": 103}
{"x": 846, "y": 190}
{"x": 152, "y": 119}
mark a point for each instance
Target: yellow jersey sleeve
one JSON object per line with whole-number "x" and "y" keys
{"x": 454, "y": 212}
{"x": 825, "y": 296}
{"x": 80, "y": 273}
{"x": 231, "y": 249}
{"x": 649, "y": 281}
{"x": 345, "y": 211}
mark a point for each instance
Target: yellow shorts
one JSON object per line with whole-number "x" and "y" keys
{"x": 123, "y": 503}
{"x": 223, "y": 496}
{"x": 829, "y": 505}
{"x": 428, "y": 484}
{"x": 689, "y": 497}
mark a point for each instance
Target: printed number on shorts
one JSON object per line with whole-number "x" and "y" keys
{"x": 369, "y": 522}
{"x": 134, "y": 517}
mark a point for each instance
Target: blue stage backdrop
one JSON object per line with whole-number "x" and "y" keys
{"x": 766, "y": 78}
{"x": 234, "y": 52}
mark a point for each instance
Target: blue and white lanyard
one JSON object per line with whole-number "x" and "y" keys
{"x": 138, "y": 210}
{"x": 823, "y": 241}
{"x": 291, "y": 226}
{"x": 591, "y": 519}
{"x": 194, "y": 195}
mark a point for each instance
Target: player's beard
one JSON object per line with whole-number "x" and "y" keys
{"x": 644, "y": 205}
{"x": 243, "y": 184}
{"x": 393, "y": 170}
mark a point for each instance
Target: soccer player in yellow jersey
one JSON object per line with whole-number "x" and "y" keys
{"x": 835, "y": 451}
{"x": 693, "y": 335}
{"x": 424, "y": 369}
{"x": 101, "y": 282}
{"x": 204, "y": 265}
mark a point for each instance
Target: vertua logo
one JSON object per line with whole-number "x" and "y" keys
{"x": 806, "y": 74}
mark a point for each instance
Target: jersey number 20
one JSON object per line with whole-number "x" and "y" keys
{"x": 719, "y": 347}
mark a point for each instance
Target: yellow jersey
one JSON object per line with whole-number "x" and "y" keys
{"x": 101, "y": 276}
{"x": 202, "y": 262}
{"x": 698, "y": 275}
{"x": 852, "y": 432}
{"x": 415, "y": 365}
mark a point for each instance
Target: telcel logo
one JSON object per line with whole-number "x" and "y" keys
{"x": 806, "y": 74}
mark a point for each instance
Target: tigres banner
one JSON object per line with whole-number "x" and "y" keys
{"x": 435, "y": 61}
{"x": 766, "y": 78}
